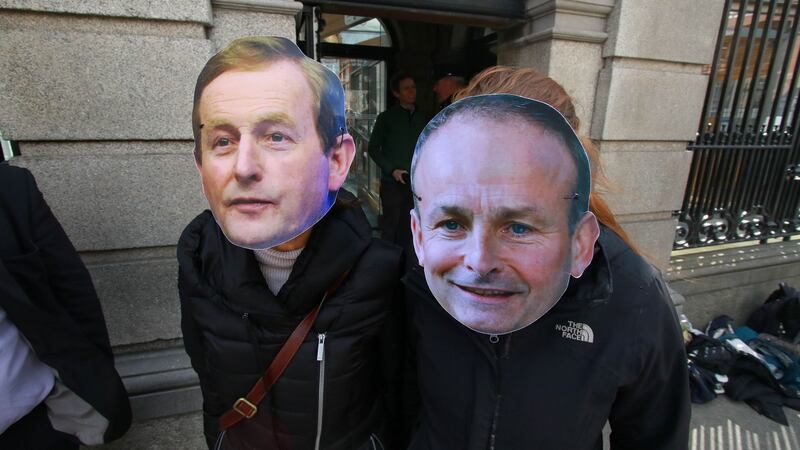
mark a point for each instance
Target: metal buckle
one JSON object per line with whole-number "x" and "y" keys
{"x": 246, "y": 415}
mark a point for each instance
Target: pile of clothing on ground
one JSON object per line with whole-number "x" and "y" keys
{"x": 758, "y": 363}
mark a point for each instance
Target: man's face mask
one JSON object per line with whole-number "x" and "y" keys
{"x": 264, "y": 165}
{"x": 495, "y": 229}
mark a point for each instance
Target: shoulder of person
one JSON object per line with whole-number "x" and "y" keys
{"x": 381, "y": 263}
{"x": 636, "y": 283}
{"x": 193, "y": 232}
{"x": 623, "y": 261}
{"x": 15, "y": 178}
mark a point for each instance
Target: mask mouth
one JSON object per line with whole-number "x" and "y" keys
{"x": 487, "y": 290}
{"x": 248, "y": 201}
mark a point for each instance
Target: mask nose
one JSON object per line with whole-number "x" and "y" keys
{"x": 481, "y": 256}
{"x": 248, "y": 166}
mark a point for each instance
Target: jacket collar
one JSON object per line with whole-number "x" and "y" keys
{"x": 217, "y": 267}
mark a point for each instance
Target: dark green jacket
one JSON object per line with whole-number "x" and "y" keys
{"x": 393, "y": 138}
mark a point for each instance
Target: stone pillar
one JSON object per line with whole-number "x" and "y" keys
{"x": 237, "y": 18}
{"x": 634, "y": 71}
{"x": 648, "y": 103}
{"x": 563, "y": 39}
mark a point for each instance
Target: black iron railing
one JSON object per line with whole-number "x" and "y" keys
{"x": 743, "y": 183}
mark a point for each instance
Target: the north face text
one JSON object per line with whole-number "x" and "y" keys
{"x": 576, "y": 331}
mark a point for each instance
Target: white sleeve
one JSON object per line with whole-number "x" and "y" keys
{"x": 24, "y": 380}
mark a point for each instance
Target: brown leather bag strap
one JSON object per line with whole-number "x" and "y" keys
{"x": 247, "y": 406}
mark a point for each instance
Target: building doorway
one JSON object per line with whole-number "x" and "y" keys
{"x": 364, "y": 45}
{"x": 357, "y": 49}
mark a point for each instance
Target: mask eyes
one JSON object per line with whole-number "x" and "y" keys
{"x": 449, "y": 228}
{"x": 451, "y": 225}
{"x": 221, "y": 142}
{"x": 276, "y": 137}
{"x": 519, "y": 229}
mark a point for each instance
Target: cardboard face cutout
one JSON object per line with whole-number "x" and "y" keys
{"x": 502, "y": 188}
{"x": 271, "y": 141}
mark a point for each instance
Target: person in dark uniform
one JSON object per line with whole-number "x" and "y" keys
{"x": 391, "y": 146}
{"x": 447, "y": 81}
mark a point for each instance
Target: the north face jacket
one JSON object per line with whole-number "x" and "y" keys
{"x": 334, "y": 393}
{"x": 610, "y": 349}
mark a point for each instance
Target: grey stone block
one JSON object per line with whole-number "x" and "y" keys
{"x": 179, "y": 10}
{"x": 36, "y": 22}
{"x": 732, "y": 281}
{"x": 535, "y": 55}
{"x": 150, "y": 371}
{"x": 647, "y": 181}
{"x": 670, "y": 30}
{"x": 92, "y": 86}
{"x": 558, "y": 59}
{"x": 230, "y": 24}
{"x": 139, "y": 294}
{"x": 581, "y": 84}
{"x": 160, "y": 383}
{"x": 165, "y": 404}
{"x": 652, "y": 236}
{"x": 648, "y": 102}
{"x": 113, "y": 195}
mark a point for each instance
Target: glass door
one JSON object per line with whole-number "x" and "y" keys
{"x": 356, "y": 49}
{"x": 364, "y": 83}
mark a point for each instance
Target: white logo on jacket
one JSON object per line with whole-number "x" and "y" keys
{"x": 576, "y": 331}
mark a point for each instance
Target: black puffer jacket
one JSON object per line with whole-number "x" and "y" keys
{"x": 233, "y": 326}
{"x": 610, "y": 349}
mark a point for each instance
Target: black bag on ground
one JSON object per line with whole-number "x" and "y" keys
{"x": 710, "y": 354}
{"x": 779, "y": 315}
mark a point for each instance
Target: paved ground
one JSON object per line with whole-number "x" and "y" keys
{"x": 183, "y": 432}
{"x": 726, "y": 425}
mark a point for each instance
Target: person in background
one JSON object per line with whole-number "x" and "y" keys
{"x": 58, "y": 384}
{"x": 445, "y": 85}
{"x": 287, "y": 302}
{"x": 391, "y": 146}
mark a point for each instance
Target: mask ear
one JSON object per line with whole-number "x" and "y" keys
{"x": 416, "y": 237}
{"x": 583, "y": 239}
{"x": 199, "y": 167}
{"x": 339, "y": 161}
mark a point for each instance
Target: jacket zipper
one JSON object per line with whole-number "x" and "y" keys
{"x": 321, "y": 391}
{"x": 504, "y": 351}
{"x": 220, "y": 438}
{"x": 251, "y": 334}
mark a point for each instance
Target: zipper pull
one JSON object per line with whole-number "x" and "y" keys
{"x": 494, "y": 339}
{"x": 320, "y": 346}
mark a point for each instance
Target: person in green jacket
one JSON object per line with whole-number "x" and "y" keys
{"x": 391, "y": 146}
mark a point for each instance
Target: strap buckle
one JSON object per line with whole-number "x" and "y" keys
{"x": 249, "y": 409}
